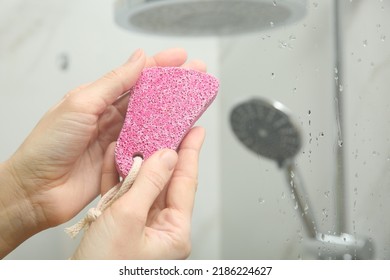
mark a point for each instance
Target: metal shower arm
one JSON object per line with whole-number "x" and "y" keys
{"x": 295, "y": 182}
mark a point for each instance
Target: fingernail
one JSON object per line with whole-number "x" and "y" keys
{"x": 169, "y": 159}
{"x": 136, "y": 55}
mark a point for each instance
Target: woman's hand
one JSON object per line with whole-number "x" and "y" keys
{"x": 57, "y": 170}
{"x": 153, "y": 219}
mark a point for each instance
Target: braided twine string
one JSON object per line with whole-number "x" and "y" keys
{"x": 107, "y": 200}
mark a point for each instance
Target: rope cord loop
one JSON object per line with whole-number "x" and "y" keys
{"x": 107, "y": 200}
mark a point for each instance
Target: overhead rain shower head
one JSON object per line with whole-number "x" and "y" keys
{"x": 206, "y": 17}
{"x": 267, "y": 129}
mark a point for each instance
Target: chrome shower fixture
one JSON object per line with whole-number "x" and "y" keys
{"x": 267, "y": 129}
{"x": 206, "y": 17}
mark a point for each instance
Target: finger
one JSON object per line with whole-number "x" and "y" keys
{"x": 170, "y": 57}
{"x": 110, "y": 176}
{"x": 154, "y": 174}
{"x": 103, "y": 92}
{"x": 76, "y": 90}
{"x": 198, "y": 65}
{"x": 182, "y": 188}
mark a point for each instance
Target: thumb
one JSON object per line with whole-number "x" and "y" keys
{"x": 153, "y": 176}
{"x": 107, "y": 89}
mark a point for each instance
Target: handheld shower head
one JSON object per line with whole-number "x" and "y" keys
{"x": 267, "y": 129}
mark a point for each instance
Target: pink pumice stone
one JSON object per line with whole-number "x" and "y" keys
{"x": 163, "y": 105}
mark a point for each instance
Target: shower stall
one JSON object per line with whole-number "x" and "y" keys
{"x": 322, "y": 69}
{"x": 296, "y": 162}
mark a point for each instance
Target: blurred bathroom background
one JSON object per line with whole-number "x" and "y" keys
{"x": 336, "y": 90}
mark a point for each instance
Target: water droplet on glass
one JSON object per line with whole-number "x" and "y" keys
{"x": 271, "y": 23}
{"x": 283, "y": 195}
{"x": 261, "y": 200}
{"x": 340, "y": 143}
{"x": 341, "y": 88}
{"x": 309, "y": 112}
{"x": 327, "y": 193}
{"x": 283, "y": 44}
{"x": 365, "y": 43}
{"x": 274, "y": 3}
{"x": 272, "y": 75}
{"x": 296, "y": 205}
{"x": 292, "y": 37}
{"x": 383, "y": 38}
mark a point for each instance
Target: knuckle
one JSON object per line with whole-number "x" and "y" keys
{"x": 113, "y": 75}
{"x": 191, "y": 181}
{"x": 116, "y": 76}
{"x": 116, "y": 80}
{"x": 155, "y": 179}
{"x": 72, "y": 99}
